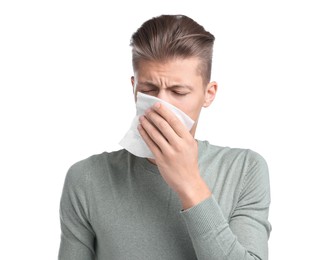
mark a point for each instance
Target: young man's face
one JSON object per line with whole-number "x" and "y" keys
{"x": 178, "y": 82}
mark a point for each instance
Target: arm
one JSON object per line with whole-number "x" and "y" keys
{"x": 77, "y": 236}
{"x": 175, "y": 150}
{"x": 246, "y": 235}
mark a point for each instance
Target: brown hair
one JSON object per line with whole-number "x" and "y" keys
{"x": 173, "y": 36}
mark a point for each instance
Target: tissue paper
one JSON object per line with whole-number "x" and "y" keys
{"x": 132, "y": 140}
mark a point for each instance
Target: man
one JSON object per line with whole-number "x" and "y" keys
{"x": 193, "y": 200}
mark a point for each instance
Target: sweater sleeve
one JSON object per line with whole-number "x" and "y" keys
{"x": 77, "y": 235}
{"x": 245, "y": 235}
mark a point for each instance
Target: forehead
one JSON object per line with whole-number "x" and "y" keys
{"x": 177, "y": 70}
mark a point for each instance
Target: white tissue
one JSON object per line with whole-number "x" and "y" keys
{"x": 132, "y": 141}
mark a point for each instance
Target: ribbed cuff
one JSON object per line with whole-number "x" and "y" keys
{"x": 203, "y": 217}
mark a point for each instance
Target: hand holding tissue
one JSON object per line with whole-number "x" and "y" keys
{"x": 132, "y": 141}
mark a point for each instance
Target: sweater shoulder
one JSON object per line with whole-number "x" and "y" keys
{"x": 246, "y": 160}
{"x": 210, "y": 152}
{"x": 228, "y": 152}
{"x": 94, "y": 166}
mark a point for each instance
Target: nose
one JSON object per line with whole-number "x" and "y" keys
{"x": 163, "y": 95}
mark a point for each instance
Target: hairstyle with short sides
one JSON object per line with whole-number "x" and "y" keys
{"x": 167, "y": 37}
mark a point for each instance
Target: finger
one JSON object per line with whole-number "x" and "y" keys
{"x": 155, "y": 135}
{"x": 146, "y": 138}
{"x": 174, "y": 122}
{"x": 162, "y": 125}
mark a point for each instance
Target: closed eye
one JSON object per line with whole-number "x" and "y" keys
{"x": 180, "y": 93}
{"x": 147, "y": 91}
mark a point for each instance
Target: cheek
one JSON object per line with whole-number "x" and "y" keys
{"x": 194, "y": 113}
{"x": 192, "y": 108}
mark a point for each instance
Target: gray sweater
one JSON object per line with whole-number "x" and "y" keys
{"x": 117, "y": 206}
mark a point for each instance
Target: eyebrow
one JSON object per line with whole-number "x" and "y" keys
{"x": 151, "y": 84}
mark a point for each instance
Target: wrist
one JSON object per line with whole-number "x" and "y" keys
{"x": 194, "y": 194}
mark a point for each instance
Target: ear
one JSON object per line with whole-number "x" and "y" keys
{"x": 134, "y": 88}
{"x": 210, "y": 93}
{"x": 132, "y": 82}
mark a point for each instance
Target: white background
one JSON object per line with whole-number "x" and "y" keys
{"x": 65, "y": 70}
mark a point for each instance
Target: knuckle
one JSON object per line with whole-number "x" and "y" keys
{"x": 174, "y": 121}
{"x": 149, "y": 114}
{"x": 178, "y": 147}
{"x": 162, "y": 125}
